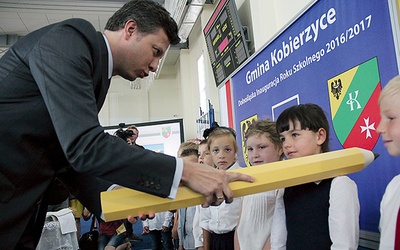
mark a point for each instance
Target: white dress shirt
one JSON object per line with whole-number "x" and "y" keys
{"x": 161, "y": 219}
{"x": 223, "y": 218}
{"x": 343, "y": 219}
{"x": 389, "y": 208}
{"x": 254, "y": 228}
{"x": 197, "y": 230}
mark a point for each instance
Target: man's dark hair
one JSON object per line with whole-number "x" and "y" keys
{"x": 149, "y": 17}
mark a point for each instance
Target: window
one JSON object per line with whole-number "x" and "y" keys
{"x": 202, "y": 83}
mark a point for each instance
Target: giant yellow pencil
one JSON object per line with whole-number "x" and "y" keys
{"x": 121, "y": 203}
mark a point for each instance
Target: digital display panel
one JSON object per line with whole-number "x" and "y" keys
{"x": 225, "y": 40}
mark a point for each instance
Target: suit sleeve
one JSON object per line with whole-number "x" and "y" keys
{"x": 85, "y": 188}
{"x": 65, "y": 63}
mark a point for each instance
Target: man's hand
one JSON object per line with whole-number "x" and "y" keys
{"x": 212, "y": 183}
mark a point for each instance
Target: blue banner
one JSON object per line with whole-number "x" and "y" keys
{"x": 339, "y": 55}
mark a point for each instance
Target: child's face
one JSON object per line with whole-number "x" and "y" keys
{"x": 297, "y": 142}
{"x": 261, "y": 150}
{"x": 223, "y": 152}
{"x": 204, "y": 155}
{"x": 389, "y": 125}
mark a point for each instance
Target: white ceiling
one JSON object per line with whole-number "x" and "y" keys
{"x": 19, "y": 17}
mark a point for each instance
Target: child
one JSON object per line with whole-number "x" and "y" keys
{"x": 389, "y": 127}
{"x": 204, "y": 154}
{"x": 111, "y": 233}
{"x": 159, "y": 229}
{"x": 254, "y": 227}
{"x": 204, "y": 158}
{"x": 186, "y": 215}
{"x": 322, "y": 214}
{"x": 188, "y": 151}
{"x": 219, "y": 222}
{"x": 109, "y": 238}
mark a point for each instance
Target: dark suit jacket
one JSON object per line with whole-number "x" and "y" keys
{"x": 53, "y": 82}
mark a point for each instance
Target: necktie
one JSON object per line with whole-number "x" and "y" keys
{"x": 397, "y": 235}
{"x": 184, "y": 220}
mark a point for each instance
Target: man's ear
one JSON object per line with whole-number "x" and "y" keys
{"x": 130, "y": 28}
{"x": 321, "y": 136}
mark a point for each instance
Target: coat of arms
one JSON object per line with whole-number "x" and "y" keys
{"x": 353, "y": 97}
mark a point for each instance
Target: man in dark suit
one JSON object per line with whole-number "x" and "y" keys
{"x": 53, "y": 83}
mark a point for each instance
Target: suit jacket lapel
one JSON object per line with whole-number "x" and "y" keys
{"x": 102, "y": 84}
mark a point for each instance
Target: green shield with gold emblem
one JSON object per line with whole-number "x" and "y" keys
{"x": 353, "y": 97}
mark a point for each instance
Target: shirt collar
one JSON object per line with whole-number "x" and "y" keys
{"x": 110, "y": 59}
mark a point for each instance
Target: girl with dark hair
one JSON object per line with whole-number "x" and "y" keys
{"x": 317, "y": 215}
